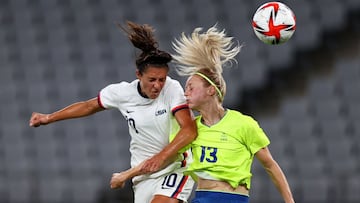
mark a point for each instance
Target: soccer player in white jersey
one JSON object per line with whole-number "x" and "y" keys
{"x": 155, "y": 108}
{"x": 227, "y": 140}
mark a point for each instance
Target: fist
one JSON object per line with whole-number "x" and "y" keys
{"x": 117, "y": 180}
{"x": 38, "y": 119}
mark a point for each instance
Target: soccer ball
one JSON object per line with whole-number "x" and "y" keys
{"x": 274, "y": 23}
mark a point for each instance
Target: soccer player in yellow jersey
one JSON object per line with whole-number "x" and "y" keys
{"x": 227, "y": 140}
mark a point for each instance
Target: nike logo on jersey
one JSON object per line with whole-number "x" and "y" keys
{"x": 127, "y": 111}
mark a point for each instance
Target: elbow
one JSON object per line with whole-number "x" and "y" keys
{"x": 191, "y": 134}
{"x": 269, "y": 164}
{"x": 272, "y": 167}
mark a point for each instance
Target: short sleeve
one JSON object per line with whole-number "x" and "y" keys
{"x": 256, "y": 138}
{"x": 108, "y": 96}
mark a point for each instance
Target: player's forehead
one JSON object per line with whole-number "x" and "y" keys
{"x": 194, "y": 80}
{"x": 156, "y": 72}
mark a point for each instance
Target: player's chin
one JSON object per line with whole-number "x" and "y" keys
{"x": 154, "y": 95}
{"x": 191, "y": 105}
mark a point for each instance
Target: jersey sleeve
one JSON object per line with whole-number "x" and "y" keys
{"x": 108, "y": 96}
{"x": 255, "y": 136}
{"x": 176, "y": 97}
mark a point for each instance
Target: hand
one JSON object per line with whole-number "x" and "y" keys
{"x": 38, "y": 119}
{"x": 118, "y": 180}
{"x": 153, "y": 164}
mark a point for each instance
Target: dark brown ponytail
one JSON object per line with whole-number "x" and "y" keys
{"x": 142, "y": 37}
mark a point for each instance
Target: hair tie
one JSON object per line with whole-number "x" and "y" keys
{"x": 212, "y": 83}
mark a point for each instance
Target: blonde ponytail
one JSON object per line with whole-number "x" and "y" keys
{"x": 205, "y": 53}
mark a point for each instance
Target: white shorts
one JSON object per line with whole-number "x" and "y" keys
{"x": 175, "y": 185}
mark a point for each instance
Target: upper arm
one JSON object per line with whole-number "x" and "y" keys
{"x": 93, "y": 105}
{"x": 185, "y": 119}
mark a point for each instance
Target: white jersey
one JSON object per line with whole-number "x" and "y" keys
{"x": 151, "y": 121}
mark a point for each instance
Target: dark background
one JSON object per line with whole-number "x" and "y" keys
{"x": 304, "y": 93}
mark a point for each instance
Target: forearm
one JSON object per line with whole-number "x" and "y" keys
{"x": 278, "y": 178}
{"x": 168, "y": 154}
{"x": 183, "y": 138}
{"x": 76, "y": 110}
{"x": 162, "y": 159}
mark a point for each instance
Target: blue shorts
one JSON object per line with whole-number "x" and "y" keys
{"x": 219, "y": 197}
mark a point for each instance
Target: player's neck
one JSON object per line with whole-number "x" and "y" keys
{"x": 140, "y": 91}
{"x": 212, "y": 115}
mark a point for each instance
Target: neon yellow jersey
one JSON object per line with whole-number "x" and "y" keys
{"x": 225, "y": 151}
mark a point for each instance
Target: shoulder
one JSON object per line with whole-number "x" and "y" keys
{"x": 172, "y": 89}
{"x": 120, "y": 90}
{"x": 118, "y": 87}
{"x": 239, "y": 115}
{"x": 247, "y": 128}
{"x": 122, "y": 84}
{"x": 172, "y": 83}
{"x": 242, "y": 119}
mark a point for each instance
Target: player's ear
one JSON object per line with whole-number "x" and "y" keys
{"x": 211, "y": 90}
{"x": 138, "y": 74}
